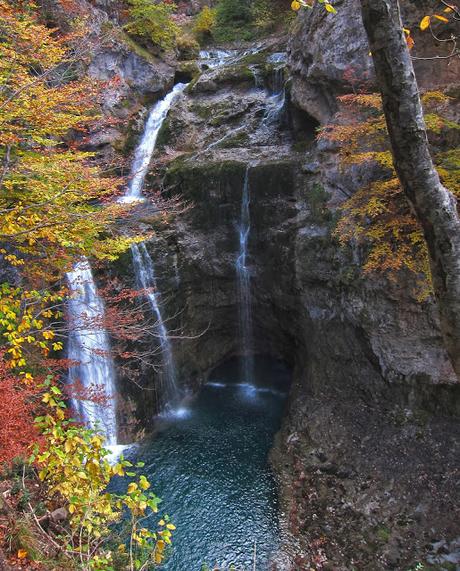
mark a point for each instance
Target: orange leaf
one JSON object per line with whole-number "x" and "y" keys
{"x": 22, "y": 554}
{"x": 410, "y": 42}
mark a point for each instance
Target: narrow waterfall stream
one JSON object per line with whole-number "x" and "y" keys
{"x": 145, "y": 274}
{"x": 89, "y": 344}
{"x": 244, "y": 286}
{"x": 89, "y": 347}
{"x": 144, "y": 268}
{"x": 144, "y": 150}
{"x": 277, "y": 97}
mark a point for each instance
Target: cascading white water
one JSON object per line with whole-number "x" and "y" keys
{"x": 144, "y": 150}
{"x": 244, "y": 286}
{"x": 145, "y": 276}
{"x": 142, "y": 262}
{"x": 89, "y": 347}
{"x": 277, "y": 98}
{"x": 211, "y": 59}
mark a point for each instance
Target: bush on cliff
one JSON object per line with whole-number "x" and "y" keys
{"x": 153, "y": 22}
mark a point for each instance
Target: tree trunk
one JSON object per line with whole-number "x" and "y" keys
{"x": 433, "y": 205}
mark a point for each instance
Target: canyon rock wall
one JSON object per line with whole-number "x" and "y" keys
{"x": 368, "y": 451}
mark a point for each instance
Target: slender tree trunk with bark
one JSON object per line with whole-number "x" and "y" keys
{"x": 433, "y": 205}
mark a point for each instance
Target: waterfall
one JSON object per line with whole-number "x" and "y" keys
{"x": 277, "y": 97}
{"x": 89, "y": 347}
{"x": 244, "y": 286}
{"x": 257, "y": 75}
{"x": 144, "y": 150}
{"x": 212, "y": 59}
{"x": 145, "y": 276}
{"x": 143, "y": 264}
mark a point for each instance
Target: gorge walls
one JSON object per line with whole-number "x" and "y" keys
{"x": 368, "y": 452}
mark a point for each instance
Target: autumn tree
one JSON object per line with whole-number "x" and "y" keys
{"x": 378, "y": 215}
{"x": 18, "y": 407}
{"x": 433, "y": 205}
{"x": 55, "y": 207}
{"x": 54, "y": 199}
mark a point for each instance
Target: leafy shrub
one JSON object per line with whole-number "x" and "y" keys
{"x": 204, "y": 24}
{"x": 233, "y": 21}
{"x": 73, "y": 464}
{"x": 264, "y": 14}
{"x": 153, "y": 22}
{"x": 188, "y": 47}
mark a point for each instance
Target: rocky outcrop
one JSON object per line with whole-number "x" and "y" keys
{"x": 368, "y": 423}
{"x": 329, "y": 55}
{"x": 131, "y": 76}
{"x": 364, "y": 457}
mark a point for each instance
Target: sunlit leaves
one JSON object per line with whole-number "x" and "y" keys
{"x": 425, "y": 23}
{"x": 153, "y": 20}
{"x": 428, "y": 20}
{"x": 74, "y": 464}
{"x": 378, "y": 216}
{"x": 297, "y": 4}
{"x": 54, "y": 200}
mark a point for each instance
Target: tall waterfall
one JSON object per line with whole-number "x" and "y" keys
{"x": 142, "y": 262}
{"x": 244, "y": 286}
{"x": 89, "y": 347}
{"x": 144, "y": 150}
{"x": 145, "y": 276}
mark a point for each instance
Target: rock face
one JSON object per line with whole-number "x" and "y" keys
{"x": 133, "y": 77}
{"x": 329, "y": 56}
{"x": 368, "y": 453}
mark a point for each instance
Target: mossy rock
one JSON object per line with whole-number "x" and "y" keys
{"x": 238, "y": 140}
{"x": 187, "y": 71}
{"x": 139, "y": 50}
{"x": 235, "y": 74}
{"x": 203, "y": 111}
{"x": 259, "y": 58}
{"x": 383, "y": 534}
{"x": 213, "y": 189}
{"x": 165, "y": 134}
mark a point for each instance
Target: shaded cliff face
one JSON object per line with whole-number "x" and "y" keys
{"x": 311, "y": 304}
{"x": 365, "y": 436}
{"x": 366, "y": 468}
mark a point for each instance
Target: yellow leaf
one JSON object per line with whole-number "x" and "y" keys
{"x": 424, "y": 24}
{"x": 295, "y": 5}
{"x": 171, "y": 526}
{"x": 448, "y": 10}
{"x": 132, "y": 487}
{"x": 330, "y": 8}
{"x": 161, "y": 522}
{"x": 22, "y": 554}
{"x": 441, "y": 18}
